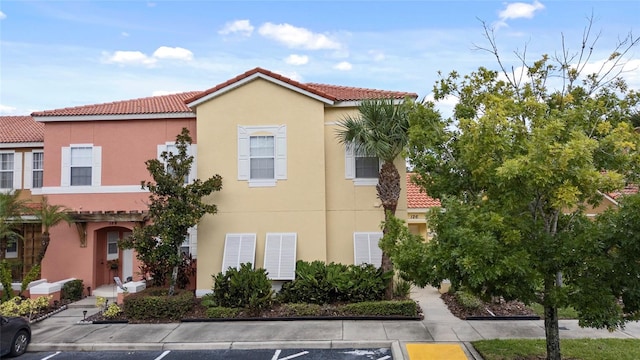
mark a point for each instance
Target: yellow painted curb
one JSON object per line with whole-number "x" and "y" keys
{"x": 435, "y": 352}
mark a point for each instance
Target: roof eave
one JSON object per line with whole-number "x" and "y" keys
{"x": 150, "y": 116}
{"x": 17, "y": 145}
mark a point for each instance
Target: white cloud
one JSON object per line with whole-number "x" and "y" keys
{"x": 4, "y": 109}
{"x": 242, "y": 27}
{"x": 377, "y": 55}
{"x": 2, "y": 16}
{"x": 124, "y": 34}
{"x": 296, "y": 37}
{"x": 130, "y": 58}
{"x": 343, "y": 66}
{"x": 178, "y": 53}
{"x": 518, "y": 10}
{"x": 294, "y": 59}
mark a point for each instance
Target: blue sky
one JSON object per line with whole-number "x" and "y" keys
{"x": 56, "y": 54}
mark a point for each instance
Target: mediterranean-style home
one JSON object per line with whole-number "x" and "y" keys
{"x": 290, "y": 190}
{"x": 418, "y": 206}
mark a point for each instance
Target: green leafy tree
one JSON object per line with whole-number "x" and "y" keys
{"x": 174, "y": 207}
{"x": 380, "y": 129}
{"x": 515, "y": 167}
{"x": 11, "y": 210}
{"x": 49, "y": 216}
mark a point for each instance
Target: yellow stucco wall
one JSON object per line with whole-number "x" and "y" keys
{"x": 315, "y": 201}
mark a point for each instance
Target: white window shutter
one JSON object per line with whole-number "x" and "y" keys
{"x": 243, "y": 154}
{"x": 17, "y": 170}
{"x": 193, "y": 241}
{"x": 280, "y": 256}
{"x": 238, "y": 249}
{"x": 65, "y": 178}
{"x": 349, "y": 162}
{"x": 28, "y": 170}
{"x": 96, "y": 166}
{"x": 281, "y": 153}
{"x": 366, "y": 249}
{"x": 193, "y": 173}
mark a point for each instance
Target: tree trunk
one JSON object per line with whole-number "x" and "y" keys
{"x": 43, "y": 248}
{"x": 551, "y": 328}
{"x": 388, "y": 192}
{"x": 172, "y": 281}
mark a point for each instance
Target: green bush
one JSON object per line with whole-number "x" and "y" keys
{"x": 401, "y": 289}
{"x": 72, "y": 290}
{"x": 319, "y": 283}
{"x": 382, "y": 308}
{"x": 243, "y": 288}
{"x": 467, "y": 300}
{"x": 220, "y": 312}
{"x": 301, "y": 309}
{"x": 154, "y": 303}
{"x": 32, "y": 275}
{"x": 5, "y": 280}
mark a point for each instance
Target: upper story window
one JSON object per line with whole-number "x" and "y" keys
{"x": 37, "y": 169}
{"x": 6, "y": 170}
{"x": 81, "y": 165}
{"x": 362, "y": 168}
{"x": 262, "y": 154}
{"x": 171, "y": 147}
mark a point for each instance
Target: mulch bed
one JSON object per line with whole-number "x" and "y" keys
{"x": 500, "y": 309}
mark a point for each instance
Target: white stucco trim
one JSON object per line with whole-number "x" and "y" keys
{"x": 112, "y": 189}
{"x": 152, "y": 116}
{"x": 21, "y": 145}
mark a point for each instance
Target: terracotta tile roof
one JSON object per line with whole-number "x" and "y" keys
{"x": 176, "y": 103}
{"x": 331, "y": 92}
{"x": 627, "y": 190}
{"x": 173, "y": 103}
{"x": 416, "y": 198}
{"x": 20, "y": 129}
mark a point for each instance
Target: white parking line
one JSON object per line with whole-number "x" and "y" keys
{"x": 275, "y": 356}
{"x": 50, "y": 356}
{"x": 385, "y": 357}
{"x": 162, "y": 355}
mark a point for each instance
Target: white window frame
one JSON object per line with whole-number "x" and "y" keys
{"x": 17, "y": 170}
{"x": 280, "y": 255}
{"x": 190, "y": 243}
{"x": 192, "y": 150}
{"x": 29, "y": 170}
{"x": 350, "y": 168}
{"x": 239, "y": 248}
{"x": 96, "y": 166}
{"x": 279, "y": 133}
{"x": 366, "y": 249}
{"x": 110, "y": 255}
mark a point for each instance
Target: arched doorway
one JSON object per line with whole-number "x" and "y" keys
{"x": 112, "y": 261}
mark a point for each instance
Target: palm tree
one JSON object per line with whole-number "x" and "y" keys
{"x": 11, "y": 208}
{"x": 50, "y": 216}
{"x": 381, "y": 129}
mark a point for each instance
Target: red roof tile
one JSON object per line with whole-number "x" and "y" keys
{"x": 173, "y": 103}
{"x": 20, "y": 129}
{"x": 417, "y": 198}
{"x": 627, "y": 190}
{"x": 176, "y": 103}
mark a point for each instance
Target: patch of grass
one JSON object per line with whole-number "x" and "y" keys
{"x": 563, "y": 313}
{"x": 582, "y": 349}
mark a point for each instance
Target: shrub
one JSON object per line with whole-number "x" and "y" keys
{"x": 154, "y": 303}
{"x": 301, "y": 309}
{"x": 382, "y": 308}
{"x": 24, "y": 307}
{"x": 467, "y": 300}
{"x": 32, "y": 275}
{"x": 112, "y": 311}
{"x": 221, "y": 312}
{"x": 319, "y": 283}
{"x": 402, "y": 289}
{"x": 5, "y": 280}
{"x": 72, "y": 290}
{"x": 243, "y": 288}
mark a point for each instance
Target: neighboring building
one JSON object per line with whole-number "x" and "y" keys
{"x": 290, "y": 190}
{"x": 418, "y": 206}
{"x": 21, "y": 169}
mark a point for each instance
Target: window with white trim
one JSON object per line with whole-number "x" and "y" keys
{"x": 7, "y": 170}
{"x": 238, "y": 249}
{"x": 170, "y": 147}
{"x": 366, "y": 249}
{"x": 262, "y": 154}
{"x": 280, "y": 256}
{"x": 81, "y": 165}
{"x": 360, "y": 166}
{"x": 112, "y": 245}
{"x": 12, "y": 249}
{"x": 37, "y": 169}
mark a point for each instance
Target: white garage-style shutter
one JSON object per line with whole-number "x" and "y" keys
{"x": 238, "y": 249}
{"x": 366, "y": 249}
{"x": 280, "y": 256}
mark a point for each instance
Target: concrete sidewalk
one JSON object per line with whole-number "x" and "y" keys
{"x": 63, "y": 332}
